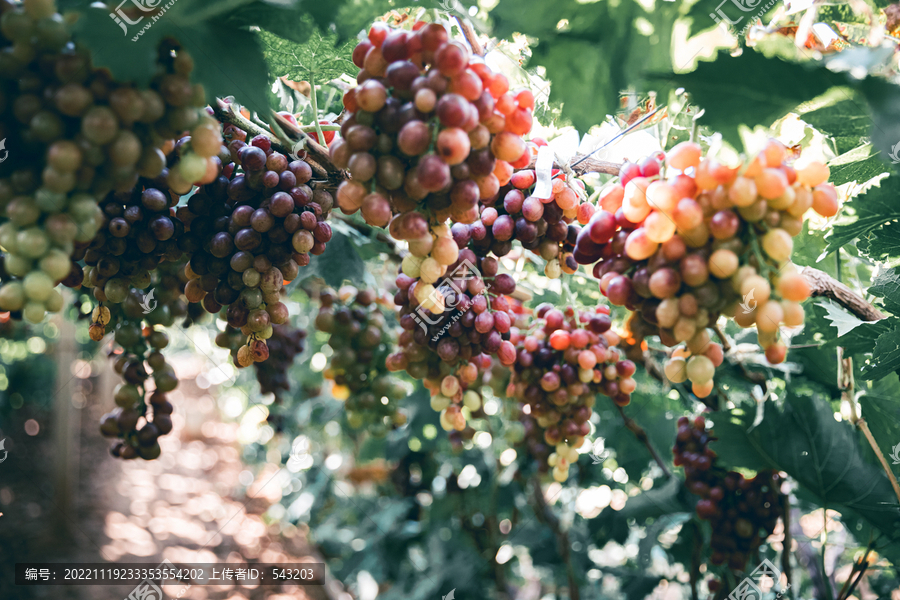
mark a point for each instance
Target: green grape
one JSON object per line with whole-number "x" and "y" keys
{"x": 38, "y": 286}
{"x": 34, "y": 312}
{"x": 56, "y": 264}
{"x": 12, "y": 296}
{"x": 32, "y": 242}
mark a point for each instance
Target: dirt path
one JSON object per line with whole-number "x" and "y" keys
{"x": 196, "y": 504}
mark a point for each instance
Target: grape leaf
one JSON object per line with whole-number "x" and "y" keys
{"x": 285, "y": 18}
{"x": 884, "y": 100}
{"x": 668, "y": 499}
{"x": 885, "y": 356}
{"x": 846, "y": 120}
{"x": 593, "y": 50}
{"x": 340, "y": 261}
{"x": 825, "y": 456}
{"x": 887, "y": 287}
{"x": 750, "y": 89}
{"x": 882, "y": 413}
{"x": 859, "y": 164}
{"x": 316, "y": 60}
{"x": 882, "y": 244}
{"x": 707, "y": 14}
{"x": 840, "y": 318}
{"x": 227, "y": 58}
{"x": 874, "y": 208}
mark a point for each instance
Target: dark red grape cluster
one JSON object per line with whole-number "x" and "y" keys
{"x": 428, "y": 127}
{"x": 559, "y": 366}
{"x": 544, "y": 226}
{"x": 247, "y": 234}
{"x": 285, "y": 345}
{"x": 138, "y": 428}
{"x": 361, "y": 341}
{"x": 742, "y": 512}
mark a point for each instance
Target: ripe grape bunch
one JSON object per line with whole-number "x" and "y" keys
{"x": 248, "y": 233}
{"x": 285, "y": 345}
{"x": 431, "y": 130}
{"x": 430, "y": 124}
{"x": 450, "y": 331}
{"x": 361, "y": 341}
{"x": 74, "y": 135}
{"x": 742, "y": 512}
{"x": 682, "y": 239}
{"x": 544, "y": 226}
{"x": 137, "y": 428}
{"x": 558, "y": 369}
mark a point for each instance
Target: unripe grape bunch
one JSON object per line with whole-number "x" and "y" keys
{"x": 135, "y": 421}
{"x": 74, "y": 135}
{"x": 682, "y": 239}
{"x": 358, "y": 335}
{"x": 559, "y": 367}
{"x": 742, "y": 512}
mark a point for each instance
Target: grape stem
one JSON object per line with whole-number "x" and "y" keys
{"x": 315, "y": 108}
{"x": 641, "y": 436}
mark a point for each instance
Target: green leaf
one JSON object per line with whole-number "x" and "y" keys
{"x": 846, "y": 120}
{"x": 749, "y": 89}
{"x": 316, "y": 60}
{"x": 886, "y": 286}
{"x": 840, "y": 318}
{"x": 882, "y": 413}
{"x": 884, "y": 101}
{"x": 707, "y": 14}
{"x": 883, "y": 244}
{"x": 340, "y": 262}
{"x": 112, "y": 48}
{"x": 598, "y": 51}
{"x": 229, "y": 62}
{"x": 227, "y": 58}
{"x": 285, "y": 18}
{"x": 859, "y": 164}
{"x": 885, "y": 356}
{"x": 872, "y": 209}
{"x": 824, "y": 456}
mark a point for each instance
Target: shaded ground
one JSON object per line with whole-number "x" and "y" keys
{"x": 188, "y": 506}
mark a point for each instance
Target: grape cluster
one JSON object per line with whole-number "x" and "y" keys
{"x": 285, "y": 345}
{"x": 558, "y": 369}
{"x": 742, "y": 512}
{"x": 544, "y": 226}
{"x": 137, "y": 428}
{"x": 450, "y": 331}
{"x": 684, "y": 242}
{"x": 73, "y": 135}
{"x": 429, "y": 127}
{"x": 248, "y": 233}
{"x": 361, "y": 342}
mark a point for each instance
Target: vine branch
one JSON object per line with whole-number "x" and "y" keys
{"x": 641, "y": 435}
{"x": 587, "y": 165}
{"x": 471, "y": 36}
{"x": 826, "y": 286}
